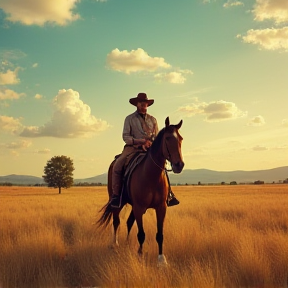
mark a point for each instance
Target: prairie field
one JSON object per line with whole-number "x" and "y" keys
{"x": 219, "y": 236}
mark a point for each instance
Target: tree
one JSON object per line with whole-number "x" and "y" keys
{"x": 59, "y": 172}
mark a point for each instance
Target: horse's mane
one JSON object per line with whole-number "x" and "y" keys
{"x": 157, "y": 142}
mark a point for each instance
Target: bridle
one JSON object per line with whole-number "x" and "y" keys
{"x": 168, "y": 158}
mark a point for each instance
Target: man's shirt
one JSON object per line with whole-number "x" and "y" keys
{"x": 136, "y": 127}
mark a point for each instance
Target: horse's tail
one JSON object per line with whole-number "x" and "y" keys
{"x": 106, "y": 209}
{"x": 106, "y": 216}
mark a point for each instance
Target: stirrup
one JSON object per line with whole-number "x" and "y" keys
{"x": 172, "y": 200}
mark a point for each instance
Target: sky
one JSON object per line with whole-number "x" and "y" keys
{"x": 69, "y": 67}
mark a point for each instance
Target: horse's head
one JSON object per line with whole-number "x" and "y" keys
{"x": 172, "y": 141}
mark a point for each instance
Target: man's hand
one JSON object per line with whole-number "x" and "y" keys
{"x": 146, "y": 145}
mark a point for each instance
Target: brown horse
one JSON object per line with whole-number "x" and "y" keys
{"x": 149, "y": 186}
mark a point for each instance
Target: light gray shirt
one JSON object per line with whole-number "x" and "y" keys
{"x": 137, "y": 130}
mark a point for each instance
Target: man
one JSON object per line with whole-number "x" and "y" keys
{"x": 140, "y": 129}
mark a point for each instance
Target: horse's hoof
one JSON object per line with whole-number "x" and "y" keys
{"x": 162, "y": 262}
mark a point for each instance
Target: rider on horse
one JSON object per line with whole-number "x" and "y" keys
{"x": 140, "y": 129}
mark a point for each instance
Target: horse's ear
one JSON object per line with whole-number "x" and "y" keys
{"x": 167, "y": 122}
{"x": 179, "y": 125}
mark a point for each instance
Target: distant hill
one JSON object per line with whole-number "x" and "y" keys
{"x": 21, "y": 179}
{"x": 103, "y": 178}
{"x": 209, "y": 176}
{"x": 188, "y": 176}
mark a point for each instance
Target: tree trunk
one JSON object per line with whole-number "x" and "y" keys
{"x": 59, "y": 190}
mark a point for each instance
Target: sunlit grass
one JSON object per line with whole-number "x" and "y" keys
{"x": 219, "y": 236}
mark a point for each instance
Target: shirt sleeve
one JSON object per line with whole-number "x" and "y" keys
{"x": 126, "y": 135}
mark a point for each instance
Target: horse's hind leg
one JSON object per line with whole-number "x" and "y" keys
{"x": 116, "y": 223}
{"x": 130, "y": 222}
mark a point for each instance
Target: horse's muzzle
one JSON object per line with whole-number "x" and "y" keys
{"x": 177, "y": 167}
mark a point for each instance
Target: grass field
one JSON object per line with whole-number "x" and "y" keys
{"x": 219, "y": 236}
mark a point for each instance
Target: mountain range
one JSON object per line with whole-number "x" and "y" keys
{"x": 188, "y": 176}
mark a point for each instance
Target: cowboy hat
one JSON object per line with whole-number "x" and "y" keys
{"x": 141, "y": 97}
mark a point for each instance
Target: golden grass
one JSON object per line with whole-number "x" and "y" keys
{"x": 219, "y": 236}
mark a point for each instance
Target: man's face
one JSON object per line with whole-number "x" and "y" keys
{"x": 142, "y": 107}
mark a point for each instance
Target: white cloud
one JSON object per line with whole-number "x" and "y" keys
{"x": 214, "y": 111}
{"x": 134, "y": 61}
{"x": 269, "y": 39}
{"x": 38, "y": 96}
{"x": 9, "y": 77}
{"x": 231, "y": 3}
{"x": 8, "y": 94}
{"x": 71, "y": 118}
{"x": 256, "y": 121}
{"x": 36, "y": 12}
{"x": 276, "y": 10}
{"x": 172, "y": 77}
{"x": 10, "y": 124}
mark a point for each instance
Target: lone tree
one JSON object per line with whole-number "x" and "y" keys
{"x": 59, "y": 172}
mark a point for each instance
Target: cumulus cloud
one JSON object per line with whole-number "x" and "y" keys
{"x": 214, "y": 111}
{"x": 9, "y": 77}
{"x": 71, "y": 118}
{"x": 269, "y": 39}
{"x": 134, "y": 61}
{"x": 36, "y": 12}
{"x": 8, "y": 94}
{"x": 276, "y": 10}
{"x": 232, "y": 3}
{"x": 256, "y": 121}
{"x": 172, "y": 77}
{"x": 10, "y": 124}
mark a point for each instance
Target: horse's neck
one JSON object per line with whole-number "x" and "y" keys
{"x": 156, "y": 159}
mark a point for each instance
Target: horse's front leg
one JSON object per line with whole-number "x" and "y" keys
{"x": 141, "y": 234}
{"x": 160, "y": 215}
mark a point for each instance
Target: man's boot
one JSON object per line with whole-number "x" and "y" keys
{"x": 172, "y": 201}
{"x": 115, "y": 201}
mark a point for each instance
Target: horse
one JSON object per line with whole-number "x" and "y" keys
{"x": 149, "y": 186}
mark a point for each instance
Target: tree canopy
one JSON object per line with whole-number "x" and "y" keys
{"x": 58, "y": 172}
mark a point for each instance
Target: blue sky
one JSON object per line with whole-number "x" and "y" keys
{"x": 69, "y": 67}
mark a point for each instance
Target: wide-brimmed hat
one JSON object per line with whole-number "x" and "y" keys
{"x": 141, "y": 97}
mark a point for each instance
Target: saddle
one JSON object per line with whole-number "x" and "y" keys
{"x": 128, "y": 168}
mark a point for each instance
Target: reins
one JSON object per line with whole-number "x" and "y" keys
{"x": 169, "y": 157}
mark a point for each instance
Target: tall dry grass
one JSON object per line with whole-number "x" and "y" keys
{"x": 219, "y": 236}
